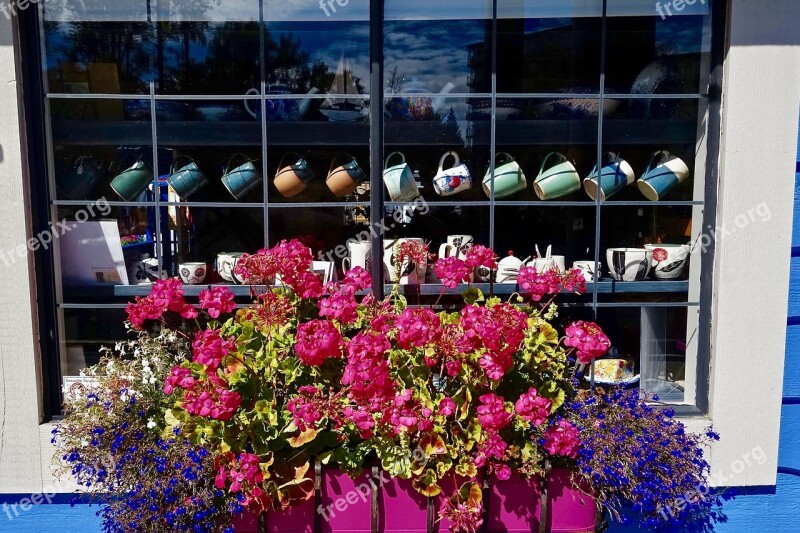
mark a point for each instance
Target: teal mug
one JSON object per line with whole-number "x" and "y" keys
{"x": 241, "y": 179}
{"x": 400, "y": 180}
{"x": 560, "y": 179}
{"x": 508, "y": 178}
{"x": 187, "y": 179}
{"x": 132, "y": 182}
{"x": 614, "y": 177}
{"x": 665, "y": 176}
{"x": 82, "y": 179}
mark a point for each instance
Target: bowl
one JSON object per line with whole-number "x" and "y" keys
{"x": 669, "y": 260}
{"x": 193, "y": 273}
{"x": 629, "y": 264}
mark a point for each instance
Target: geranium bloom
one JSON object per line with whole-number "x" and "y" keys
{"x": 217, "y": 301}
{"x": 588, "y": 340}
{"x": 341, "y": 305}
{"x": 452, "y": 271}
{"x": 272, "y": 310}
{"x": 562, "y": 439}
{"x": 212, "y": 399}
{"x": 481, "y": 256}
{"x": 317, "y": 340}
{"x": 363, "y": 420}
{"x": 245, "y": 474}
{"x": 492, "y": 412}
{"x": 209, "y": 348}
{"x": 447, "y": 406}
{"x": 143, "y": 309}
{"x": 500, "y": 328}
{"x": 532, "y": 407}
{"x": 574, "y": 281}
{"x": 358, "y": 278}
{"x": 536, "y": 284}
{"x": 166, "y": 295}
{"x": 305, "y": 408}
{"x": 417, "y": 327}
{"x": 367, "y": 369}
{"x": 495, "y": 365}
{"x": 179, "y": 377}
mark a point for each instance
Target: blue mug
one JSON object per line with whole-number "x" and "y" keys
{"x": 660, "y": 179}
{"x": 614, "y": 177}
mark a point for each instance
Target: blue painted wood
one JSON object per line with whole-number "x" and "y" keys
{"x": 789, "y": 444}
{"x": 61, "y": 518}
{"x": 791, "y": 376}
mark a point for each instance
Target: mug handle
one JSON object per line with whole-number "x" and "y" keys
{"x": 346, "y": 261}
{"x": 402, "y": 159}
{"x": 506, "y": 158}
{"x": 229, "y": 166}
{"x": 561, "y": 158}
{"x": 445, "y": 250}
{"x": 444, "y": 158}
{"x": 335, "y": 159}
{"x": 247, "y": 102}
{"x": 175, "y": 162}
{"x": 664, "y": 155}
{"x": 283, "y": 159}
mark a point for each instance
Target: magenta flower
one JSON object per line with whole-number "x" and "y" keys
{"x": 588, "y": 340}
{"x": 217, "y": 301}
{"x": 209, "y": 348}
{"x": 481, "y": 256}
{"x": 367, "y": 370}
{"x": 447, "y": 406}
{"x": 532, "y": 407}
{"x": 562, "y": 439}
{"x": 341, "y": 305}
{"x": 452, "y": 271}
{"x": 417, "y": 327}
{"x": 492, "y": 412}
{"x": 317, "y": 340}
{"x": 178, "y": 378}
{"x": 358, "y": 278}
{"x": 537, "y": 285}
{"x": 211, "y": 399}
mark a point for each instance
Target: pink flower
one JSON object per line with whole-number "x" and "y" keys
{"x": 413, "y": 251}
{"x": 502, "y": 472}
{"x": 447, "y": 406}
{"x": 166, "y": 295}
{"x": 341, "y": 305}
{"x": 562, "y": 439}
{"x": 492, "y": 412}
{"x": 417, "y": 327}
{"x": 574, "y": 281}
{"x": 209, "y": 348}
{"x": 363, "y": 420}
{"x": 317, "y": 340}
{"x": 479, "y": 255}
{"x": 537, "y": 285}
{"x": 532, "y": 407}
{"x": 452, "y": 271}
{"x": 178, "y": 378}
{"x": 244, "y": 475}
{"x": 211, "y": 399}
{"x": 367, "y": 370}
{"x": 143, "y": 309}
{"x": 500, "y": 328}
{"x": 306, "y": 285}
{"x": 493, "y": 447}
{"x": 305, "y": 409}
{"x": 495, "y": 365}
{"x": 358, "y": 278}
{"x": 217, "y": 301}
{"x": 588, "y": 340}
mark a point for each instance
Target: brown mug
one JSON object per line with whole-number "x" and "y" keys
{"x": 344, "y": 179}
{"x": 291, "y": 180}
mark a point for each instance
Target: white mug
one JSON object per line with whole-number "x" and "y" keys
{"x": 409, "y": 274}
{"x": 192, "y": 273}
{"x": 359, "y": 255}
{"x": 456, "y": 245}
{"x": 587, "y": 269}
{"x": 226, "y": 263}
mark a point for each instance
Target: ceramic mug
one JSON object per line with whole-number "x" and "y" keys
{"x": 629, "y": 264}
{"x": 668, "y": 173}
{"x": 82, "y": 180}
{"x": 344, "y": 179}
{"x": 508, "y": 178}
{"x": 399, "y": 179}
{"x": 560, "y": 179}
{"x": 508, "y": 268}
{"x": 453, "y": 180}
{"x": 359, "y": 254}
{"x": 410, "y": 274}
{"x": 132, "y": 182}
{"x": 669, "y": 260}
{"x": 143, "y": 270}
{"x": 242, "y": 179}
{"x": 456, "y": 245}
{"x": 614, "y": 177}
{"x": 192, "y": 273}
{"x": 545, "y": 264}
{"x": 226, "y": 263}
{"x": 187, "y": 179}
{"x": 291, "y": 180}
{"x": 587, "y": 269}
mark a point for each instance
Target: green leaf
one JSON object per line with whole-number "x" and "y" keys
{"x": 472, "y": 295}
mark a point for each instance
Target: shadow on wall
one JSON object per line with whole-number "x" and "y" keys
{"x": 1, "y": 153}
{"x": 5, "y": 30}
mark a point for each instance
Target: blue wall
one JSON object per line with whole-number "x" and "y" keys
{"x": 762, "y": 510}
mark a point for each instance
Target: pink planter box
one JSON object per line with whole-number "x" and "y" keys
{"x": 346, "y": 508}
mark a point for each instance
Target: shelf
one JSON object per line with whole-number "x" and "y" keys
{"x": 427, "y": 289}
{"x": 423, "y": 133}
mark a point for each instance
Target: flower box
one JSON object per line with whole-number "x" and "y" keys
{"x": 346, "y": 507}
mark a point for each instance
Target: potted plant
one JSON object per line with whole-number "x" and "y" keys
{"x": 320, "y": 408}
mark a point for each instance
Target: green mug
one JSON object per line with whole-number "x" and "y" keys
{"x": 560, "y": 179}
{"x": 508, "y": 178}
{"x": 242, "y": 179}
{"x": 132, "y": 182}
{"x": 187, "y": 179}
{"x": 82, "y": 180}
